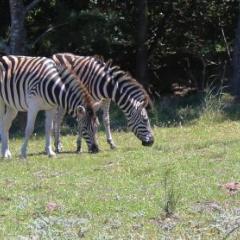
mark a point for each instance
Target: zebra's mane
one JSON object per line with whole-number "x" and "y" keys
{"x": 86, "y": 95}
{"x": 126, "y": 75}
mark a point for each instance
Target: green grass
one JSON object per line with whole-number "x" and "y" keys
{"x": 120, "y": 194}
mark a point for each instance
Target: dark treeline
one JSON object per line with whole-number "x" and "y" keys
{"x": 168, "y": 45}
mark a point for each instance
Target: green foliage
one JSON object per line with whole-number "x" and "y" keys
{"x": 109, "y": 27}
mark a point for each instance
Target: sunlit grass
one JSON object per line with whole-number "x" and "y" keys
{"x": 119, "y": 194}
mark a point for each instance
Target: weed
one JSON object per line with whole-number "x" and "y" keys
{"x": 171, "y": 196}
{"x": 213, "y": 104}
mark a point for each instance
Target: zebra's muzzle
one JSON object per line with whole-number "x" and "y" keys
{"x": 148, "y": 143}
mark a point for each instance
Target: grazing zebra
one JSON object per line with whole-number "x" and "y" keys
{"x": 107, "y": 82}
{"x": 32, "y": 84}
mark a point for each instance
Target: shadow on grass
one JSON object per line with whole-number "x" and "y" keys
{"x": 176, "y": 110}
{"x": 58, "y": 154}
{"x": 232, "y": 110}
{"x": 171, "y": 111}
{"x": 168, "y": 111}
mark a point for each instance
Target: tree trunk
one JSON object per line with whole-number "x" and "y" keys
{"x": 236, "y": 62}
{"x": 141, "y": 36}
{"x": 18, "y": 32}
{"x": 18, "y": 42}
{"x": 18, "y": 39}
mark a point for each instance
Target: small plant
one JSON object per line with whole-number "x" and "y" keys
{"x": 171, "y": 196}
{"x": 213, "y": 104}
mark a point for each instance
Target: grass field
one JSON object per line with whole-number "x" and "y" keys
{"x": 172, "y": 190}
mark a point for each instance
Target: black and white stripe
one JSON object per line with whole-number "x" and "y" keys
{"x": 34, "y": 83}
{"x": 104, "y": 81}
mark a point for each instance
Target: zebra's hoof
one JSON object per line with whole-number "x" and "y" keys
{"x": 51, "y": 154}
{"x": 59, "y": 148}
{"x": 23, "y": 157}
{"x": 79, "y": 150}
{"x": 111, "y": 143}
{"x": 113, "y": 146}
{"x": 7, "y": 155}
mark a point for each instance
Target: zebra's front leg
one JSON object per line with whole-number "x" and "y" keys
{"x": 79, "y": 138}
{"x": 48, "y": 131}
{"x": 106, "y": 122}
{"x": 56, "y": 129}
{"x": 2, "y": 113}
{"x": 6, "y": 123}
{"x": 31, "y": 117}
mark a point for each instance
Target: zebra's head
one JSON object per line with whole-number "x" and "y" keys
{"x": 88, "y": 126}
{"x": 139, "y": 124}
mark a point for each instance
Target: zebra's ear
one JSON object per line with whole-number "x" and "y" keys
{"x": 81, "y": 111}
{"x": 142, "y": 105}
{"x": 146, "y": 103}
{"x": 108, "y": 64}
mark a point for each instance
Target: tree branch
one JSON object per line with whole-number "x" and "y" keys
{"x": 159, "y": 32}
{"x": 31, "y": 5}
{"x": 50, "y": 29}
{"x": 226, "y": 44}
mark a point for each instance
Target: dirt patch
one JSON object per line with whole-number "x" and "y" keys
{"x": 231, "y": 187}
{"x": 166, "y": 223}
{"x": 208, "y": 206}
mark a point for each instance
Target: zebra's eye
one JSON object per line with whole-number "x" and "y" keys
{"x": 89, "y": 112}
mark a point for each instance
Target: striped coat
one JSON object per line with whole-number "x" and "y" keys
{"x": 34, "y": 83}
{"x": 110, "y": 83}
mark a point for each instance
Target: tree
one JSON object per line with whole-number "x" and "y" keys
{"x": 18, "y": 43}
{"x": 18, "y": 31}
{"x": 236, "y": 62}
{"x": 141, "y": 57}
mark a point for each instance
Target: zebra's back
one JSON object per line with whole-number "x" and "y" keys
{"x": 25, "y": 77}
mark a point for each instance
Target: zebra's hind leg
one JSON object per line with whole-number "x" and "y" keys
{"x": 79, "y": 138}
{"x": 56, "y": 129}
{"x": 106, "y": 122}
{"x": 6, "y": 122}
{"x": 31, "y": 117}
{"x": 2, "y": 113}
{"x": 48, "y": 131}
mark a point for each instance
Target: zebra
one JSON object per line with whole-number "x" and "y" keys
{"x": 35, "y": 83}
{"x": 110, "y": 83}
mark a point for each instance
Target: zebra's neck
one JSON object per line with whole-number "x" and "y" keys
{"x": 95, "y": 77}
{"x": 110, "y": 83}
{"x": 73, "y": 93}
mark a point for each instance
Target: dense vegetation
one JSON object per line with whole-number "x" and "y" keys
{"x": 171, "y": 47}
{"x": 187, "y": 42}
